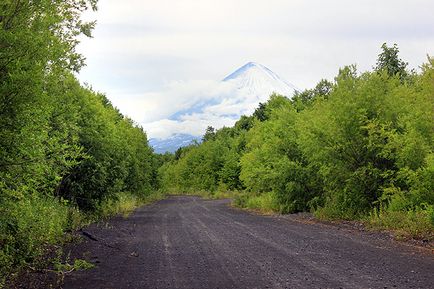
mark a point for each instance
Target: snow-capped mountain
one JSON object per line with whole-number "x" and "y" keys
{"x": 172, "y": 143}
{"x": 256, "y": 80}
{"x": 237, "y": 94}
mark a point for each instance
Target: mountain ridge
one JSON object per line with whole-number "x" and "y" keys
{"x": 172, "y": 143}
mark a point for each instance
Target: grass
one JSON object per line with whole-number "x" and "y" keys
{"x": 417, "y": 223}
{"x": 264, "y": 203}
{"x": 219, "y": 195}
{"x": 77, "y": 265}
{"x": 125, "y": 204}
{"x": 29, "y": 226}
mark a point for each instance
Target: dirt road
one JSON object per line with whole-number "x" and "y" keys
{"x": 187, "y": 242}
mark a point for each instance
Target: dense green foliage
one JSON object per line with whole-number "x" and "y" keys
{"x": 360, "y": 146}
{"x": 64, "y": 149}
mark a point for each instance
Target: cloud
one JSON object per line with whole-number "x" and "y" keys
{"x": 174, "y": 97}
{"x": 188, "y": 107}
{"x": 151, "y": 57}
{"x": 151, "y": 43}
{"x": 193, "y": 125}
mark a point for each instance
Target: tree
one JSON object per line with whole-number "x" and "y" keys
{"x": 260, "y": 112}
{"x": 389, "y": 61}
{"x": 245, "y": 123}
{"x": 37, "y": 55}
{"x": 209, "y": 134}
{"x": 306, "y": 98}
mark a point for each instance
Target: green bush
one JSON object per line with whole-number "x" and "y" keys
{"x": 264, "y": 202}
{"x": 415, "y": 223}
{"x": 29, "y": 225}
{"x": 125, "y": 204}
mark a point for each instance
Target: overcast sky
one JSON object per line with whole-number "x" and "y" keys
{"x": 153, "y": 58}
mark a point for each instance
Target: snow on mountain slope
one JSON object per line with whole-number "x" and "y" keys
{"x": 172, "y": 143}
{"x": 256, "y": 80}
{"x": 237, "y": 94}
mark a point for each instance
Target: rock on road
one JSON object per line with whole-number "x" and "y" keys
{"x": 188, "y": 242}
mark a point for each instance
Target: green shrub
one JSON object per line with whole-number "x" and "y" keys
{"x": 29, "y": 226}
{"x": 416, "y": 223}
{"x": 78, "y": 265}
{"x": 240, "y": 200}
{"x": 125, "y": 204}
{"x": 264, "y": 202}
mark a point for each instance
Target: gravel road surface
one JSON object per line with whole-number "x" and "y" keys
{"x": 188, "y": 242}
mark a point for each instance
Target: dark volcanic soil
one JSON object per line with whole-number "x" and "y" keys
{"x": 187, "y": 242}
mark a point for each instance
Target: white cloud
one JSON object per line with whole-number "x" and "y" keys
{"x": 189, "y": 107}
{"x": 174, "y": 97}
{"x": 222, "y": 104}
{"x": 193, "y": 124}
{"x": 149, "y": 56}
